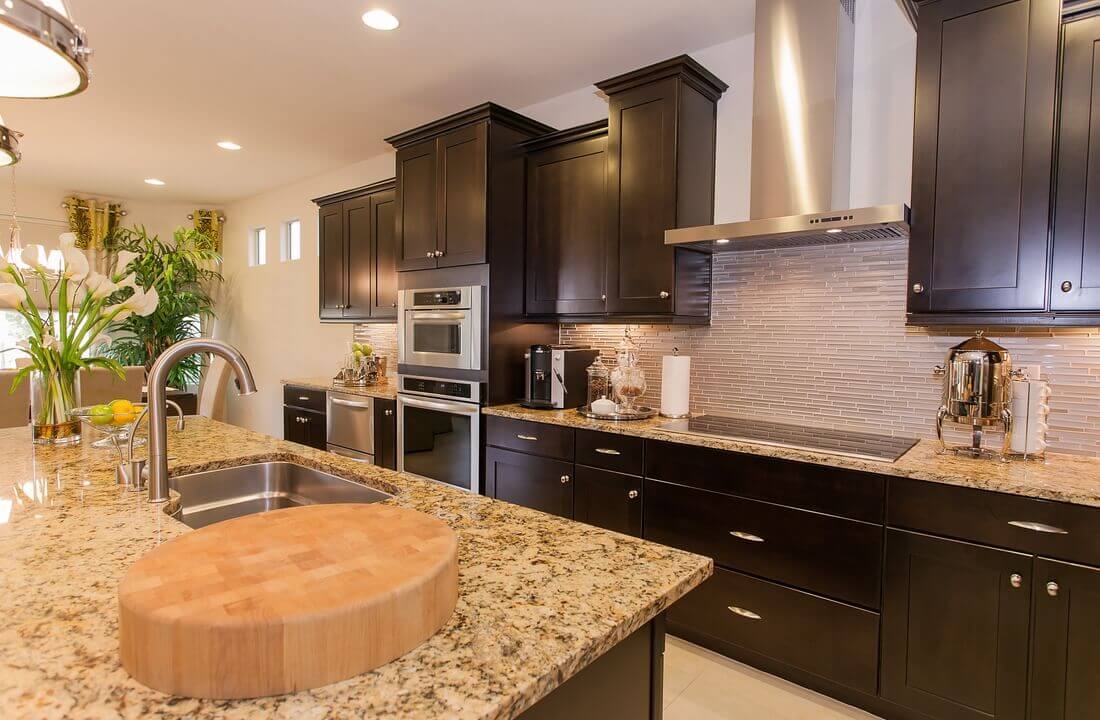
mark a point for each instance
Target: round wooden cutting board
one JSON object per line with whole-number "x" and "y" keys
{"x": 286, "y": 600}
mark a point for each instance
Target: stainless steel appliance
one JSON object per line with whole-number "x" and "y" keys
{"x": 554, "y": 375}
{"x": 865, "y": 446}
{"x": 977, "y": 392}
{"x": 440, "y": 327}
{"x": 439, "y": 430}
{"x": 349, "y": 426}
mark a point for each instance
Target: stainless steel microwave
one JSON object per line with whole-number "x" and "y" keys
{"x": 440, "y": 327}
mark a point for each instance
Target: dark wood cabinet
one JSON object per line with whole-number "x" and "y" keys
{"x": 1066, "y": 647}
{"x": 955, "y": 630}
{"x": 607, "y": 499}
{"x": 1075, "y": 278}
{"x": 983, "y": 149}
{"x": 304, "y": 426}
{"x": 357, "y": 269}
{"x": 535, "y": 482}
{"x": 385, "y": 433}
{"x": 445, "y": 212}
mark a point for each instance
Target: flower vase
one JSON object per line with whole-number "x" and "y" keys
{"x": 54, "y": 393}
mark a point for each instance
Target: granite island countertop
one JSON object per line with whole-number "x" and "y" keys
{"x": 1061, "y": 477}
{"x": 386, "y": 389}
{"x": 539, "y": 597}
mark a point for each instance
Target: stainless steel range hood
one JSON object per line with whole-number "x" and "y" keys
{"x": 801, "y": 138}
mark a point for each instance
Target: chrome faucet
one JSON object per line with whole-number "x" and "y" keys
{"x": 158, "y": 413}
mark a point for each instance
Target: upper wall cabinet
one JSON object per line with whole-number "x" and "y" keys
{"x": 358, "y": 255}
{"x": 445, "y": 173}
{"x": 984, "y": 135}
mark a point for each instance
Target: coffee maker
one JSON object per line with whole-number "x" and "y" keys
{"x": 554, "y": 376}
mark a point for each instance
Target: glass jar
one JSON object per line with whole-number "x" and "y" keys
{"x": 53, "y": 395}
{"x": 627, "y": 379}
{"x": 599, "y": 382}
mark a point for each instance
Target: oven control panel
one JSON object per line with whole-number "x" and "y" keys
{"x": 456, "y": 389}
{"x": 437, "y": 298}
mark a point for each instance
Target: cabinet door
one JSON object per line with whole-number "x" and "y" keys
{"x": 955, "y": 625}
{"x": 463, "y": 200}
{"x": 357, "y": 244}
{"x": 384, "y": 256}
{"x": 385, "y": 433}
{"x": 417, "y": 209}
{"x": 315, "y": 430}
{"x": 608, "y": 499}
{"x": 304, "y": 426}
{"x": 330, "y": 224}
{"x": 1075, "y": 278}
{"x": 567, "y": 228}
{"x": 292, "y": 425}
{"x": 529, "y": 480}
{"x": 1066, "y": 652}
{"x": 983, "y": 144}
{"x": 641, "y": 153}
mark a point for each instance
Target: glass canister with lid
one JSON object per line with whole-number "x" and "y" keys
{"x": 627, "y": 379}
{"x": 599, "y": 382}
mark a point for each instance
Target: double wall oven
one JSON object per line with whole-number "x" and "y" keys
{"x": 440, "y": 328}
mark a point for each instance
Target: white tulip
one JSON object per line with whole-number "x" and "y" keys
{"x": 67, "y": 240}
{"x": 11, "y": 295}
{"x": 34, "y": 257}
{"x": 76, "y": 264}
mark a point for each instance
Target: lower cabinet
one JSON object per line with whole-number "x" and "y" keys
{"x": 306, "y": 427}
{"x": 956, "y": 623}
{"x": 385, "y": 433}
{"x": 529, "y": 480}
{"x": 608, "y": 499}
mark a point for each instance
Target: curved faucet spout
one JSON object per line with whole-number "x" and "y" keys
{"x": 158, "y": 412}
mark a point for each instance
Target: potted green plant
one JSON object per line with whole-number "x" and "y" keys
{"x": 183, "y": 273}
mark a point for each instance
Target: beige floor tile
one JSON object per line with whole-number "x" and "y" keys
{"x": 726, "y": 690}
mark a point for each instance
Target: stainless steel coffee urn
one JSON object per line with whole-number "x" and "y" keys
{"x": 977, "y": 392}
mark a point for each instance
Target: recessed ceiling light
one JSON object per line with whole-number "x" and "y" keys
{"x": 154, "y": 181}
{"x": 228, "y": 145}
{"x": 380, "y": 20}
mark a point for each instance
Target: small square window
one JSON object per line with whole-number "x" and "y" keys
{"x": 292, "y": 241}
{"x": 257, "y": 250}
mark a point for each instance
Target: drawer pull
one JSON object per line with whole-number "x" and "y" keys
{"x": 1038, "y": 527}
{"x": 633, "y": 494}
{"x": 749, "y": 614}
{"x": 303, "y": 397}
{"x": 746, "y": 536}
{"x": 607, "y": 451}
{"x": 564, "y": 479}
{"x": 531, "y": 438}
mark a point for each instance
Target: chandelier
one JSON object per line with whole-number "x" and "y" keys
{"x": 43, "y": 53}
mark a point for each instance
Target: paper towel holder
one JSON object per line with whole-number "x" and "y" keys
{"x": 664, "y": 385}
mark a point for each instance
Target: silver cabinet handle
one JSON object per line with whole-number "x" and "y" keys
{"x": 388, "y": 413}
{"x": 918, "y": 288}
{"x": 749, "y": 614}
{"x": 1038, "y": 527}
{"x": 350, "y": 404}
{"x": 664, "y": 294}
{"x": 633, "y": 494}
{"x": 746, "y": 536}
{"x": 440, "y": 253}
{"x": 430, "y": 254}
{"x": 303, "y": 397}
{"x": 1052, "y": 589}
{"x": 1016, "y": 580}
{"x": 607, "y": 451}
{"x": 564, "y": 479}
{"x": 530, "y": 438}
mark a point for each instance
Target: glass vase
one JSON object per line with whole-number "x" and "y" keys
{"x": 53, "y": 395}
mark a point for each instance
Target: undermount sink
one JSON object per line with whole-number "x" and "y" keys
{"x": 215, "y": 495}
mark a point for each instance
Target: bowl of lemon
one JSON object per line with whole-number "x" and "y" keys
{"x": 115, "y": 420}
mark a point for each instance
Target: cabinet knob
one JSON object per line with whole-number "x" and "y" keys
{"x": 663, "y": 294}
{"x": 429, "y": 254}
{"x": 603, "y": 297}
{"x": 918, "y": 288}
{"x": 393, "y": 304}
{"x": 1052, "y": 589}
{"x": 633, "y": 494}
{"x": 388, "y": 413}
{"x": 1067, "y": 286}
{"x": 1016, "y": 580}
{"x": 564, "y": 479}
{"x": 440, "y": 253}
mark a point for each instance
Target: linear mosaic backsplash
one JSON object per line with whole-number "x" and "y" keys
{"x": 817, "y": 335}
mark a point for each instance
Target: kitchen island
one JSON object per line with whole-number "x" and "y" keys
{"x": 540, "y": 598}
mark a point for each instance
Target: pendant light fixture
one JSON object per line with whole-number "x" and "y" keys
{"x": 43, "y": 53}
{"x": 9, "y": 142}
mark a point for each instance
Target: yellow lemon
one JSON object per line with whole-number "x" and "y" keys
{"x": 121, "y": 406}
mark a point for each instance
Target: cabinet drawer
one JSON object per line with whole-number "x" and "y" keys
{"x": 529, "y": 437}
{"x": 302, "y": 397}
{"x": 847, "y": 493}
{"x": 621, "y": 453}
{"x": 829, "y": 639}
{"x": 608, "y": 499}
{"x": 993, "y": 518}
{"x": 822, "y": 553}
{"x": 531, "y": 481}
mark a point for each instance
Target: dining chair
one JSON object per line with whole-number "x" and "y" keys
{"x": 15, "y": 409}
{"x": 99, "y": 386}
{"x": 212, "y": 389}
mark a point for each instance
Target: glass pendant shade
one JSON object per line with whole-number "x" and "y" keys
{"x": 9, "y": 144}
{"x": 43, "y": 53}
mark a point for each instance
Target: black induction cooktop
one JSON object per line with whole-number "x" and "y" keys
{"x": 800, "y": 437}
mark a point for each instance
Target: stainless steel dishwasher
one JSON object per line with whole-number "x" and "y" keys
{"x": 350, "y": 426}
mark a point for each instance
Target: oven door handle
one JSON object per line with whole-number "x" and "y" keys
{"x": 418, "y": 315}
{"x": 457, "y": 408}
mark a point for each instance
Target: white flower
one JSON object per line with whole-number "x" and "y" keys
{"x": 23, "y": 345}
{"x": 33, "y": 256}
{"x": 125, "y": 257}
{"x": 142, "y": 302}
{"x": 67, "y": 240}
{"x": 130, "y": 281}
{"x": 50, "y": 342}
{"x": 99, "y": 286}
{"x": 123, "y": 314}
{"x": 11, "y": 295}
{"x": 76, "y": 263}
{"x": 4, "y": 264}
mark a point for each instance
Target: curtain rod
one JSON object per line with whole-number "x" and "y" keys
{"x": 191, "y": 216}
{"x": 105, "y": 209}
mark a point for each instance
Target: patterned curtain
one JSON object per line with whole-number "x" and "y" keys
{"x": 92, "y": 221}
{"x": 209, "y": 224}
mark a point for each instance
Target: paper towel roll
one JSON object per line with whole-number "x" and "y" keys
{"x": 675, "y": 385}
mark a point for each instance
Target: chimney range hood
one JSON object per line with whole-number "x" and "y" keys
{"x": 801, "y": 138}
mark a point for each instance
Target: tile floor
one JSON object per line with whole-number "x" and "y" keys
{"x": 701, "y": 685}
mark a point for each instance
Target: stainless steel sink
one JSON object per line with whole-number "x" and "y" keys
{"x": 216, "y": 495}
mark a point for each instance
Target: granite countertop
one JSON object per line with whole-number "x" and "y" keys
{"x": 539, "y": 597}
{"x": 1061, "y": 477}
{"x": 386, "y": 389}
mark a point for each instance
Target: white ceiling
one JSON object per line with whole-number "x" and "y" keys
{"x": 305, "y": 87}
